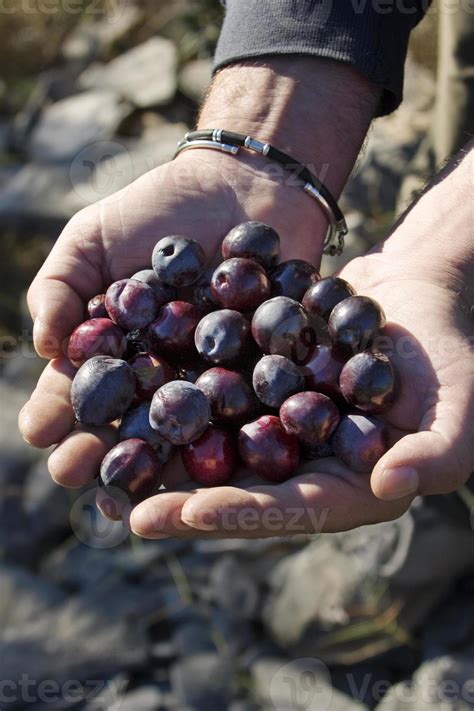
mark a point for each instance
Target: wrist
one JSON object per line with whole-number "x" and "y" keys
{"x": 315, "y": 109}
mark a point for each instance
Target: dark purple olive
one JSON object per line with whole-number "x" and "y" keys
{"x": 253, "y": 240}
{"x": 151, "y": 372}
{"x": 266, "y": 449}
{"x": 280, "y": 326}
{"x": 275, "y": 378}
{"x": 102, "y": 390}
{"x": 318, "y": 452}
{"x": 354, "y": 323}
{"x": 172, "y": 332}
{"x": 311, "y": 417}
{"x": 368, "y": 382}
{"x": 240, "y": 284}
{"x": 136, "y": 424}
{"x": 131, "y": 304}
{"x": 293, "y": 278}
{"x": 96, "y": 307}
{"x": 325, "y": 294}
{"x": 163, "y": 292}
{"x": 359, "y": 442}
{"x": 322, "y": 371}
{"x": 211, "y": 459}
{"x": 223, "y": 338}
{"x": 180, "y": 412}
{"x": 178, "y": 261}
{"x": 230, "y": 397}
{"x": 97, "y": 336}
{"x": 131, "y": 466}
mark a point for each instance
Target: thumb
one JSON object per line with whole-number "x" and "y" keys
{"x": 438, "y": 459}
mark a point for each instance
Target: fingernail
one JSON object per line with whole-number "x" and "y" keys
{"x": 398, "y": 482}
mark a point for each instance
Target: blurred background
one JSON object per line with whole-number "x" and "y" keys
{"x": 92, "y": 94}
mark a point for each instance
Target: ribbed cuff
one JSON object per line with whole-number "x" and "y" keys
{"x": 370, "y": 35}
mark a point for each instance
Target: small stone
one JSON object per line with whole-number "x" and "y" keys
{"x": 203, "y": 681}
{"x": 145, "y": 75}
{"x": 194, "y": 79}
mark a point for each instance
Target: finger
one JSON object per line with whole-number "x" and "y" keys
{"x": 48, "y": 415}
{"x": 69, "y": 277}
{"x": 310, "y": 503}
{"x": 160, "y": 516}
{"x": 76, "y": 460}
{"x": 436, "y": 460}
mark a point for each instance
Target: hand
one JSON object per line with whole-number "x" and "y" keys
{"x": 431, "y": 424}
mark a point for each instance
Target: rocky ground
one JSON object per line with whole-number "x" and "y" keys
{"x": 380, "y": 618}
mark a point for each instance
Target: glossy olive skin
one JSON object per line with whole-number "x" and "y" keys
{"x": 359, "y": 442}
{"x": 102, "y": 390}
{"x": 172, "y": 332}
{"x": 275, "y": 378}
{"x": 253, "y": 240}
{"x": 311, "y": 417}
{"x": 180, "y": 412}
{"x": 163, "y": 292}
{"x": 325, "y": 294}
{"x": 266, "y": 449}
{"x": 131, "y": 304}
{"x": 280, "y": 326}
{"x": 354, "y": 323}
{"x": 136, "y": 424}
{"x": 178, "y": 261}
{"x": 151, "y": 372}
{"x": 223, "y": 337}
{"x": 230, "y": 397}
{"x": 96, "y": 307}
{"x": 322, "y": 371}
{"x": 133, "y": 467}
{"x": 293, "y": 278}
{"x": 368, "y": 382}
{"x": 211, "y": 460}
{"x": 240, "y": 284}
{"x": 97, "y": 336}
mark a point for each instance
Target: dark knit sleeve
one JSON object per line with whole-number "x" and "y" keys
{"x": 371, "y": 35}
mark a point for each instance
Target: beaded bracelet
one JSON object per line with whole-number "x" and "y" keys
{"x": 230, "y": 142}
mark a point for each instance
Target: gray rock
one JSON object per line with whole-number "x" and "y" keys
{"x": 202, "y": 681}
{"x": 145, "y": 698}
{"x": 39, "y": 193}
{"x": 441, "y": 684}
{"x": 193, "y": 637}
{"x": 390, "y": 562}
{"x": 67, "y": 126}
{"x": 88, "y": 40}
{"x": 298, "y": 685}
{"x": 233, "y": 589}
{"x": 47, "y": 637}
{"x": 194, "y": 79}
{"x": 145, "y": 75}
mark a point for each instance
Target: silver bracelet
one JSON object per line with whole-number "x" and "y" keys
{"x": 231, "y": 143}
